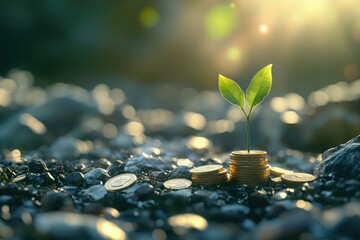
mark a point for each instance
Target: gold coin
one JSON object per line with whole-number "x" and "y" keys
{"x": 250, "y": 179}
{"x": 252, "y": 153}
{"x": 254, "y": 163}
{"x": 298, "y": 177}
{"x": 206, "y": 169}
{"x": 177, "y": 183}
{"x": 120, "y": 182}
{"x": 277, "y": 171}
{"x": 247, "y": 169}
{"x": 257, "y": 163}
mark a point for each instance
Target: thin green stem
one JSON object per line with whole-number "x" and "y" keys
{"x": 248, "y": 133}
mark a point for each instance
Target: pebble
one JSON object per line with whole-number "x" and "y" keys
{"x": 144, "y": 192}
{"x": 96, "y": 176}
{"x": 61, "y": 225}
{"x": 57, "y": 201}
{"x": 37, "y": 166}
{"x": 96, "y": 192}
{"x": 75, "y": 179}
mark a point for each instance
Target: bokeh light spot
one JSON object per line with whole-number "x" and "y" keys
{"x": 148, "y": 17}
{"x": 263, "y": 28}
{"x": 198, "y": 143}
{"x": 34, "y": 124}
{"x": 195, "y": 120}
{"x": 220, "y": 22}
{"x": 110, "y": 130}
{"x": 279, "y": 104}
{"x": 318, "y": 98}
{"x": 188, "y": 221}
{"x": 134, "y": 128}
{"x": 290, "y": 117}
{"x": 233, "y": 53}
{"x": 295, "y": 101}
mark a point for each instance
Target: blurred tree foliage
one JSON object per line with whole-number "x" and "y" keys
{"x": 178, "y": 41}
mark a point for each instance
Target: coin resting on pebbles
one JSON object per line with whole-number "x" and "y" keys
{"x": 298, "y": 177}
{"x": 277, "y": 171}
{"x": 206, "y": 169}
{"x": 120, "y": 182}
{"x": 178, "y": 183}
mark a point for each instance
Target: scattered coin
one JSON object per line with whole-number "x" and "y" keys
{"x": 177, "y": 183}
{"x": 120, "y": 182}
{"x": 298, "y": 177}
{"x": 206, "y": 169}
{"x": 277, "y": 171}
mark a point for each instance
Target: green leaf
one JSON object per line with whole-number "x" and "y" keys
{"x": 259, "y": 87}
{"x": 231, "y": 91}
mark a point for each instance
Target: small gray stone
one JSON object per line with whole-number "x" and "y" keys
{"x": 96, "y": 192}
{"x": 234, "y": 211}
{"x": 145, "y": 163}
{"x": 75, "y": 179}
{"x": 57, "y": 201}
{"x": 180, "y": 172}
{"x": 37, "y": 166}
{"x": 96, "y": 175}
{"x": 47, "y": 178}
{"x": 145, "y": 191}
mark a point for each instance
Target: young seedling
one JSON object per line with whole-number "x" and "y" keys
{"x": 258, "y": 89}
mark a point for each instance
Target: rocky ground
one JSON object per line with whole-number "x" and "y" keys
{"x": 61, "y": 144}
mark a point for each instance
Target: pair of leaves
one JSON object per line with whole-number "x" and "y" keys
{"x": 258, "y": 89}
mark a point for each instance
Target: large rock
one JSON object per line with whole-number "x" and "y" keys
{"x": 60, "y": 225}
{"x": 59, "y": 116}
{"x": 343, "y": 160}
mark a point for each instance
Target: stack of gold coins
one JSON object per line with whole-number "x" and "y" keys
{"x": 209, "y": 175}
{"x": 249, "y": 167}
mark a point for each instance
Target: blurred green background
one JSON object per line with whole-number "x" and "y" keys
{"x": 311, "y": 43}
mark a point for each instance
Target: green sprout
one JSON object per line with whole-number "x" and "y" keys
{"x": 258, "y": 89}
